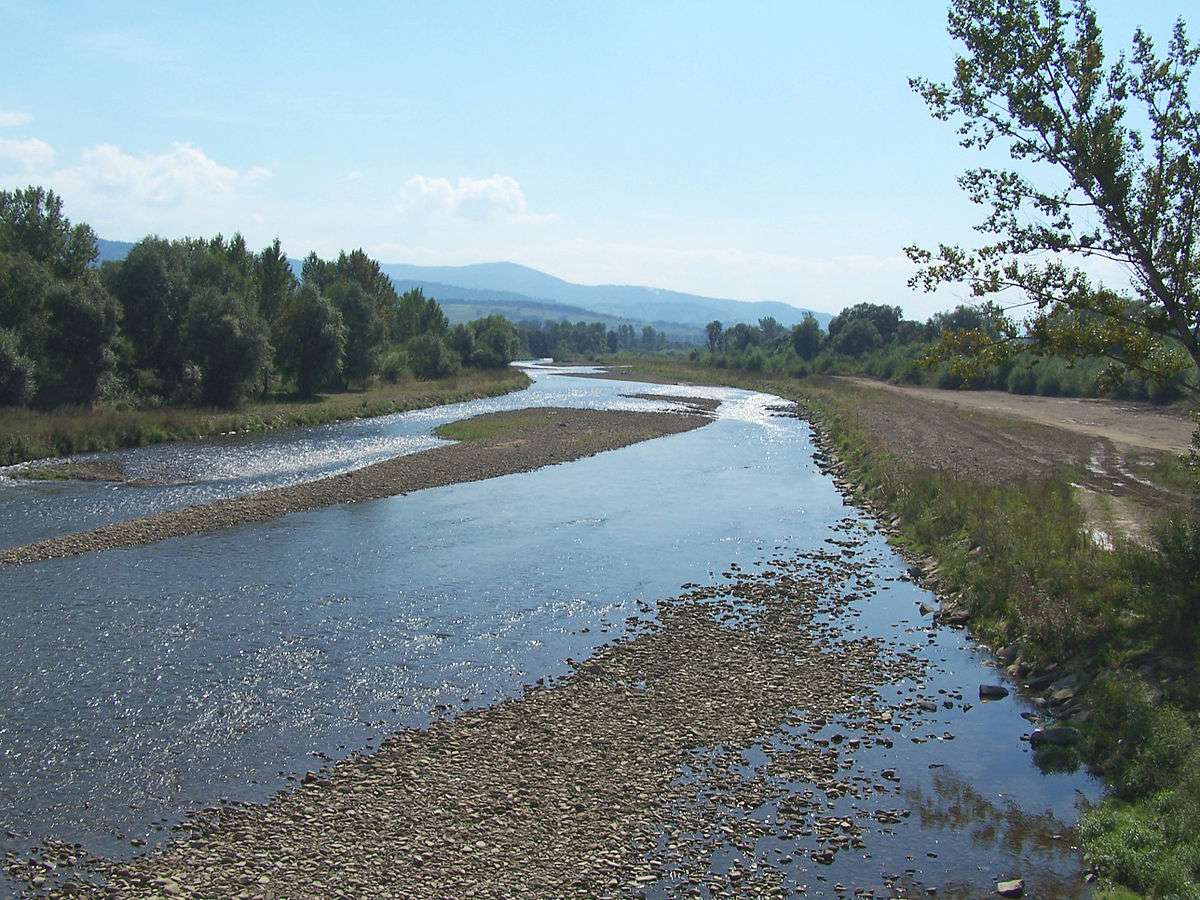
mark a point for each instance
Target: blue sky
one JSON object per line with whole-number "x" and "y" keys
{"x": 750, "y": 150}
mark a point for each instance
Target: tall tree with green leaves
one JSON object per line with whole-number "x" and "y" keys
{"x": 32, "y": 222}
{"x": 363, "y": 328}
{"x": 311, "y": 341}
{"x": 224, "y": 335}
{"x": 1106, "y": 166}
{"x": 807, "y": 337}
{"x": 274, "y": 281}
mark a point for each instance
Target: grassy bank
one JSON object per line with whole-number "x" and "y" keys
{"x": 29, "y": 434}
{"x": 1124, "y": 623}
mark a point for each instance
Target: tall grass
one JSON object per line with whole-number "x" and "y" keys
{"x": 31, "y": 434}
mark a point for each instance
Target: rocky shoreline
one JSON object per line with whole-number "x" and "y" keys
{"x": 622, "y": 778}
{"x": 545, "y": 437}
{"x": 1055, "y": 689}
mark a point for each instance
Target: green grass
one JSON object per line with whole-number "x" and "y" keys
{"x": 27, "y": 434}
{"x": 495, "y": 425}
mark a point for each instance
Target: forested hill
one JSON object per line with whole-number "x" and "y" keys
{"x": 628, "y": 301}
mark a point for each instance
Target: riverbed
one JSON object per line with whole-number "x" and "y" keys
{"x": 148, "y": 682}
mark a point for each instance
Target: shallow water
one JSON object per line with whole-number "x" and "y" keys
{"x": 150, "y": 681}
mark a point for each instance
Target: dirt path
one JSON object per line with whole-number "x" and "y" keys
{"x": 1133, "y": 424}
{"x": 522, "y": 440}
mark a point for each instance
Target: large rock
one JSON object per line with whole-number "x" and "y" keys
{"x": 1061, "y": 735}
{"x": 1014, "y": 888}
{"x": 992, "y": 692}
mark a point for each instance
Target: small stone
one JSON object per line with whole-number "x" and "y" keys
{"x": 992, "y": 692}
{"x": 1014, "y": 888}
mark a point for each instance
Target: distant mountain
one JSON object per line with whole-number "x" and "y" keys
{"x": 112, "y": 251}
{"x": 465, "y": 304}
{"x": 628, "y": 301}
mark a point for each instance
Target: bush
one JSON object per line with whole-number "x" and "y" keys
{"x": 496, "y": 343}
{"x": 394, "y": 364}
{"x": 1022, "y": 379}
{"x": 429, "y": 357}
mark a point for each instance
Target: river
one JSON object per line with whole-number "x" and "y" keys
{"x": 148, "y": 682}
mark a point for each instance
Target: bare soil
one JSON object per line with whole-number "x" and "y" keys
{"x": 993, "y": 436}
{"x": 1139, "y": 425}
{"x": 544, "y": 437}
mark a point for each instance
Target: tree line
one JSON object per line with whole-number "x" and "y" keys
{"x": 206, "y": 321}
{"x": 564, "y": 339}
{"x": 876, "y": 339}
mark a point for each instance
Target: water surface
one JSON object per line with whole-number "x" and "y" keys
{"x": 146, "y": 682}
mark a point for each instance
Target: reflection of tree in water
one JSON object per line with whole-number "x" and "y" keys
{"x": 957, "y": 806}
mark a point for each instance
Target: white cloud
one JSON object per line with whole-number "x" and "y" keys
{"x": 498, "y": 197}
{"x": 180, "y": 190}
{"x": 180, "y": 175}
{"x": 30, "y": 154}
{"x": 10, "y": 119}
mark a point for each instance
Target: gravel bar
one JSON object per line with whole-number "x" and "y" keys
{"x": 545, "y": 437}
{"x": 575, "y": 788}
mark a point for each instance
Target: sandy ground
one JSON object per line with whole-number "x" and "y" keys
{"x": 544, "y": 437}
{"x": 1133, "y": 424}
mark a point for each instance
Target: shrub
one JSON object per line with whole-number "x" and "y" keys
{"x": 393, "y": 364}
{"x": 1022, "y": 379}
{"x": 429, "y": 357}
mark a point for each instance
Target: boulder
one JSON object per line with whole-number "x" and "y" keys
{"x": 1061, "y": 735}
{"x": 992, "y": 692}
{"x": 1014, "y": 888}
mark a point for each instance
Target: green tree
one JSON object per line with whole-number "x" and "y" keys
{"x": 886, "y": 319}
{"x": 417, "y": 314}
{"x": 228, "y": 340}
{"x": 807, "y": 337}
{"x": 496, "y": 342}
{"x": 462, "y": 341}
{"x": 712, "y": 331}
{"x": 311, "y": 341}
{"x": 17, "y": 381}
{"x": 274, "y": 281}
{"x": 1107, "y": 167}
{"x": 363, "y": 328}
{"x": 80, "y": 327}
{"x": 859, "y": 336}
{"x": 31, "y": 222}
{"x": 741, "y": 337}
{"x": 154, "y": 288}
{"x": 23, "y": 287}
{"x": 772, "y": 331}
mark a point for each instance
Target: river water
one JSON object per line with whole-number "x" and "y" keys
{"x": 147, "y": 682}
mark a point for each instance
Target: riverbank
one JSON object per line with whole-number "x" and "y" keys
{"x": 1104, "y": 633}
{"x": 495, "y": 444}
{"x": 27, "y": 435}
{"x": 574, "y": 789}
